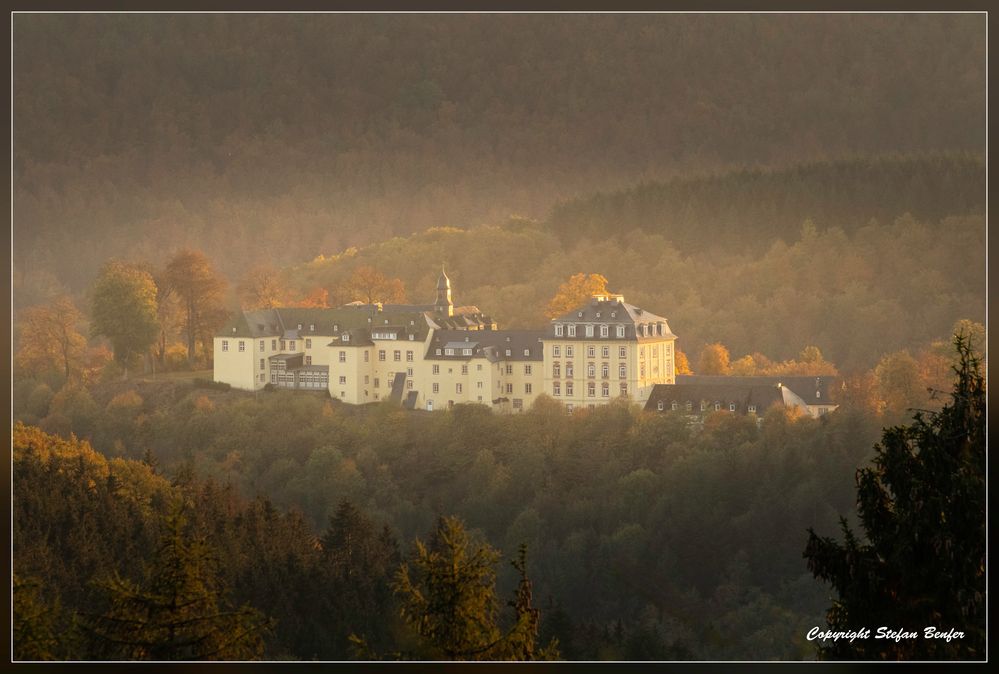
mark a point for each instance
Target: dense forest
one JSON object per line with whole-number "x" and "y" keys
{"x": 274, "y": 138}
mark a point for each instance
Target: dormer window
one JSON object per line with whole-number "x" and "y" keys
{"x": 466, "y": 352}
{"x": 345, "y": 337}
{"x": 448, "y": 352}
{"x": 438, "y": 352}
{"x": 558, "y": 329}
{"x": 299, "y": 326}
{"x": 620, "y": 331}
{"x": 527, "y": 352}
{"x": 589, "y": 330}
{"x": 660, "y": 405}
{"x": 604, "y": 331}
{"x": 312, "y": 327}
{"x": 508, "y": 352}
{"x": 336, "y": 327}
{"x": 572, "y": 329}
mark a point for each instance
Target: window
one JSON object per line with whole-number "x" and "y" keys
{"x": 568, "y": 407}
{"x": 509, "y": 388}
{"x": 509, "y": 369}
{"x": 557, "y": 351}
{"x": 263, "y": 364}
{"x": 225, "y": 344}
{"x": 448, "y": 352}
{"x": 674, "y": 406}
{"x": 605, "y": 352}
{"x": 436, "y": 387}
{"x": 397, "y": 356}
{"x": 478, "y": 384}
{"x": 367, "y": 380}
{"x": 605, "y": 390}
{"x": 642, "y": 371}
{"x": 308, "y": 343}
{"x": 343, "y": 380}
{"x": 464, "y": 369}
{"x": 409, "y": 372}
{"x": 409, "y": 356}
{"x": 572, "y": 329}
{"x": 622, "y": 371}
{"x": 527, "y": 369}
{"x": 291, "y": 345}
{"x": 478, "y": 367}
{"x": 312, "y": 327}
{"x": 556, "y": 370}
{"x": 518, "y": 403}
{"x": 622, "y": 352}
{"x": 591, "y": 370}
{"x": 620, "y": 331}
{"x": 568, "y": 370}
{"x": 273, "y": 345}
{"x": 377, "y": 382}
{"x": 558, "y": 330}
{"x": 366, "y": 355}
{"x": 557, "y": 388}
{"x": 466, "y": 352}
{"x": 508, "y": 353}
{"x": 381, "y": 354}
{"x": 343, "y": 356}
{"x": 409, "y": 383}
{"x": 345, "y": 337}
{"x": 689, "y": 406}
{"x": 308, "y": 360}
{"x": 568, "y": 351}
{"x": 591, "y": 352}
{"x": 704, "y": 406}
{"x": 752, "y": 409}
{"x": 568, "y": 388}
{"x": 263, "y": 377}
{"x": 717, "y": 406}
{"x": 261, "y": 345}
{"x": 604, "y": 331}
{"x": 660, "y": 405}
{"x": 527, "y": 388}
{"x": 527, "y": 352}
{"x": 731, "y": 407}
{"x": 624, "y": 389}
{"x": 589, "y": 330}
{"x": 591, "y": 389}
{"x": 242, "y": 346}
{"x": 438, "y": 352}
{"x": 605, "y": 371}
{"x": 436, "y": 369}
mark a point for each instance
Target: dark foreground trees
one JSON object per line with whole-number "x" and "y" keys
{"x": 922, "y": 506}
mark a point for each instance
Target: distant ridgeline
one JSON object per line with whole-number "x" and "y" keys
{"x": 748, "y": 209}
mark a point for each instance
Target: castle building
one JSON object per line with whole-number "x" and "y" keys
{"x": 435, "y": 356}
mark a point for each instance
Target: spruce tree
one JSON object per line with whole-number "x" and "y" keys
{"x": 922, "y": 507}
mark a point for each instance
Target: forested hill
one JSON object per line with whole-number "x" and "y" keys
{"x": 278, "y": 137}
{"x": 749, "y": 209}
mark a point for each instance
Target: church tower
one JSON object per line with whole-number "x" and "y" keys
{"x": 443, "y": 304}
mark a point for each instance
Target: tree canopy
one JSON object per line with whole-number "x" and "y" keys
{"x": 123, "y": 309}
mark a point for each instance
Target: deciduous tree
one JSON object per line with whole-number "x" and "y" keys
{"x": 577, "y": 290}
{"x": 48, "y": 338}
{"x": 123, "y": 309}
{"x": 200, "y": 290}
{"x": 713, "y": 359}
{"x": 369, "y": 285}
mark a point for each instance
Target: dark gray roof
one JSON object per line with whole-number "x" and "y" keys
{"x": 742, "y": 394}
{"x": 491, "y": 344}
{"x": 612, "y": 311}
{"x": 805, "y": 387}
{"x": 357, "y": 320}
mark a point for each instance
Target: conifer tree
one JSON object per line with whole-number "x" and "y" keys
{"x": 922, "y": 507}
{"x": 178, "y": 613}
{"x": 33, "y": 622}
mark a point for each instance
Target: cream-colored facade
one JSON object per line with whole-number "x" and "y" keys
{"x": 432, "y": 357}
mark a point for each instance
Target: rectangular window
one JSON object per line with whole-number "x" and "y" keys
{"x": 568, "y": 389}
{"x": 605, "y": 371}
{"x": 343, "y": 356}
{"x": 397, "y": 356}
{"x": 242, "y": 346}
{"x": 591, "y": 389}
{"x": 518, "y": 403}
{"x": 624, "y": 389}
{"x": 409, "y": 356}
{"x": 591, "y": 370}
{"x": 752, "y": 409}
{"x": 527, "y": 352}
{"x": 436, "y": 369}
{"x": 558, "y": 330}
{"x": 509, "y": 369}
{"x": 409, "y": 383}
{"x": 622, "y": 352}
{"x": 605, "y": 352}
{"x": 557, "y": 388}
{"x": 367, "y": 380}
{"x": 568, "y": 370}
{"x": 527, "y": 369}
{"x": 308, "y": 343}
{"x": 377, "y": 382}
{"x": 381, "y": 354}
{"x": 568, "y": 351}
{"x": 262, "y": 345}
{"x": 591, "y": 352}
{"x": 343, "y": 380}
{"x": 478, "y": 384}
{"x": 556, "y": 370}
{"x": 464, "y": 369}
{"x": 572, "y": 329}
{"x": 409, "y": 372}
{"x": 478, "y": 367}
{"x": 291, "y": 345}
{"x": 273, "y": 345}
{"x": 457, "y": 388}
{"x": 263, "y": 364}
{"x": 642, "y": 371}
{"x": 308, "y": 360}
{"x": 527, "y": 388}
{"x": 622, "y": 371}
{"x": 225, "y": 344}
{"x": 466, "y": 352}
{"x": 589, "y": 330}
{"x": 436, "y": 387}
{"x": 605, "y": 390}
{"x": 620, "y": 331}
{"x": 557, "y": 351}
{"x": 604, "y": 331}
{"x": 509, "y": 388}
